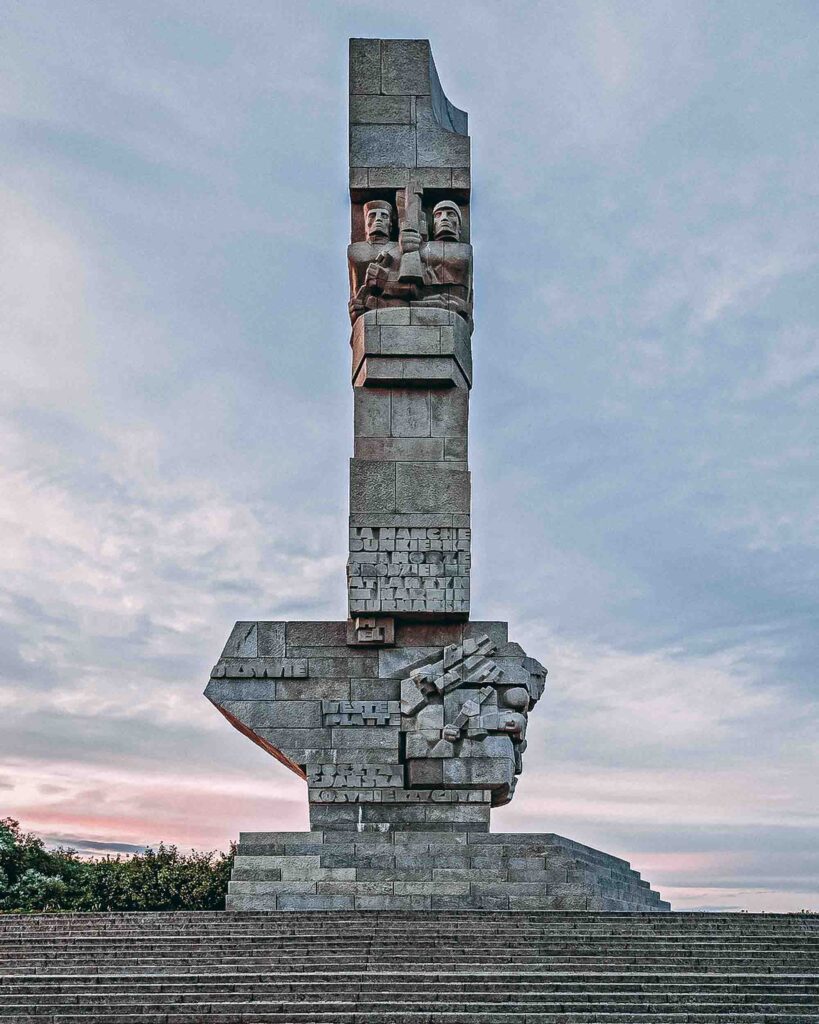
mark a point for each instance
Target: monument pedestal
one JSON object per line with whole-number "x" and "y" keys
{"x": 399, "y": 816}
{"x": 421, "y": 870}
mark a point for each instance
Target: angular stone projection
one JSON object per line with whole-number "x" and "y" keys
{"x": 407, "y": 720}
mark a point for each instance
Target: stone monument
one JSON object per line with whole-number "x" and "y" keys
{"x": 407, "y": 720}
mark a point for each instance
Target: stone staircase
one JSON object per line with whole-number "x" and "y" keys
{"x": 409, "y": 967}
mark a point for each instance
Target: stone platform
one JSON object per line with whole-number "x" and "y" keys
{"x": 416, "y": 870}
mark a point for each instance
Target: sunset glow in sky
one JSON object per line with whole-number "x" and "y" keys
{"x": 177, "y": 417}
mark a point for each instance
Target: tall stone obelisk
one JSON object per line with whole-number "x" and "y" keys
{"x": 410, "y": 267}
{"x": 407, "y": 719}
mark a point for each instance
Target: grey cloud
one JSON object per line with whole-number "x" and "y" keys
{"x": 89, "y": 846}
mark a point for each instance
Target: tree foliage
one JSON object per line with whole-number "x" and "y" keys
{"x": 33, "y": 878}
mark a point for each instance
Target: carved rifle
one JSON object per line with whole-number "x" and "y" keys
{"x": 412, "y": 231}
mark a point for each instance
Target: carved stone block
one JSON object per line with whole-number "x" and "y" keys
{"x": 372, "y": 412}
{"x": 431, "y": 487}
{"x": 435, "y": 354}
{"x": 372, "y": 486}
{"x": 382, "y": 145}
{"x": 365, "y": 66}
{"x": 409, "y": 416}
{"x": 371, "y": 631}
{"x": 405, "y": 66}
{"x": 380, "y": 110}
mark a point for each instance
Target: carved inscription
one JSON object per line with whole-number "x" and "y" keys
{"x": 369, "y": 631}
{"x": 361, "y": 712}
{"x": 354, "y": 776}
{"x": 260, "y": 668}
{"x": 400, "y": 796}
{"x": 409, "y": 569}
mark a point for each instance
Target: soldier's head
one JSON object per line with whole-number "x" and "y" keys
{"x": 446, "y": 221}
{"x": 377, "y": 220}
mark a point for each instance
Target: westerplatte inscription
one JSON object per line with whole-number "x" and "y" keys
{"x": 420, "y": 569}
{"x": 361, "y": 712}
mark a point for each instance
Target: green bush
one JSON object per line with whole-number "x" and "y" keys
{"x": 33, "y": 878}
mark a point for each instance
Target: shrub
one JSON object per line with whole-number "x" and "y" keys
{"x": 33, "y": 878}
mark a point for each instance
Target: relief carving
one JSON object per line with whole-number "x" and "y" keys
{"x": 414, "y": 270}
{"x": 460, "y": 709}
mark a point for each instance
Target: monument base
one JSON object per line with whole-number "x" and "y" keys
{"x": 415, "y": 870}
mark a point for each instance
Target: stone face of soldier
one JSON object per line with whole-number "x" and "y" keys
{"x": 377, "y": 222}
{"x": 446, "y": 222}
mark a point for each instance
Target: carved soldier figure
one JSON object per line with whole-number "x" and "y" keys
{"x": 447, "y": 263}
{"x": 369, "y": 262}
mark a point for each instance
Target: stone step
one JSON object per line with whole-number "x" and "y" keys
{"x": 636, "y": 964}
{"x": 318, "y": 1016}
{"x": 392, "y": 934}
{"x": 400, "y": 1013}
{"x": 399, "y": 943}
{"x": 202, "y": 920}
{"x": 261, "y": 985}
{"x": 454, "y": 949}
{"x": 451, "y": 956}
{"x": 412, "y": 968}
{"x": 519, "y": 936}
{"x": 413, "y": 935}
{"x": 361, "y": 981}
{"x": 428, "y": 997}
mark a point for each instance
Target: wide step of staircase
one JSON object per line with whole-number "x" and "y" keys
{"x": 409, "y": 968}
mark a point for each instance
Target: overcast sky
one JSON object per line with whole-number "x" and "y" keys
{"x": 176, "y": 412}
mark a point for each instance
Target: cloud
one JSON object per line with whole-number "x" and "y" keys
{"x": 42, "y": 292}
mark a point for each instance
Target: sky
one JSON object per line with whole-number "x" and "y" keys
{"x": 176, "y": 415}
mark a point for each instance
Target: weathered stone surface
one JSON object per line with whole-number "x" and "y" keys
{"x": 449, "y": 413}
{"x": 372, "y": 413}
{"x": 271, "y": 639}
{"x": 416, "y": 341}
{"x": 372, "y": 486}
{"x": 316, "y": 634}
{"x": 220, "y": 691}
{"x": 380, "y": 109}
{"x": 278, "y": 714}
{"x": 365, "y": 66}
{"x": 400, "y": 449}
{"x": 405, "y": 66}
{"x": 434, "y": 354}
{"x": 457, "y": 870}
{"x": 375, "y": 689}
{"x": 431, "y": 487}
{"x": 242, "y": 642}
{"x": 439, "y": 148}
{"x": 409, "y": 416}
{"x": 382, "y": 145}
